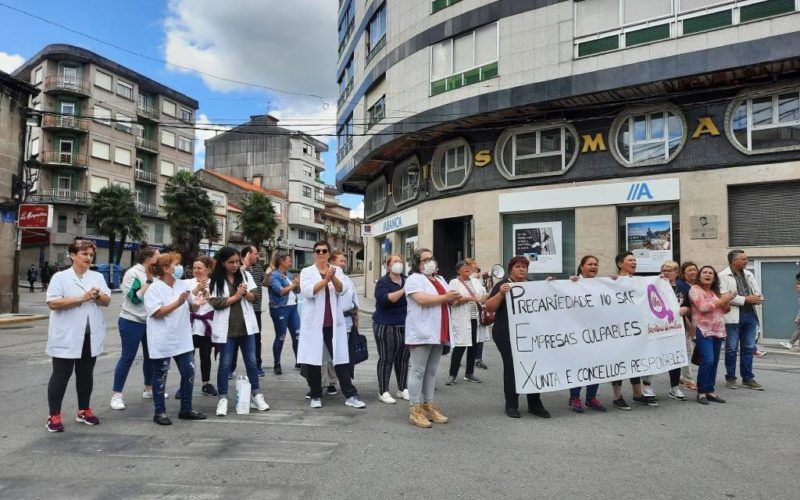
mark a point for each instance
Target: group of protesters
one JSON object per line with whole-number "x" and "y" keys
{"x": 419, "y": 317}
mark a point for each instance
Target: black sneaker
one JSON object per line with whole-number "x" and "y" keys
{"x": 539, "y": 411}
{"x": 209, "y": 390}
{"x": 512, "y": 412}
{"x": 472, "y": 378}
{"x": 178, "y": 394}
{"x": 621, "y": 404}
{"x": 191, "y": 415}
{"x": 645, "y": 400}
{"x": 331, "y": 390}
{"x": 162, "y": 419}
{"x": 277, "y": 369}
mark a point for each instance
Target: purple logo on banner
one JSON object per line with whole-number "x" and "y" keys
{"x": 657, "y": 305}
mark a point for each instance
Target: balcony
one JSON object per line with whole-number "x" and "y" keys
{"x": 146, "y": 144}
{"x": 72, "y": 85}
{"x": 145, "y": 176}
{"x": 55, "y": 158}
{"x": 146, "y": 208}
{"x": 61, "y": 196}
{"x": 148, "y": 112}
{"x": 65, "y": 122}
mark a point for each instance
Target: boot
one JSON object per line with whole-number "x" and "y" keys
{"x": 434, "y": 413}
{"x": 417, "y": 417}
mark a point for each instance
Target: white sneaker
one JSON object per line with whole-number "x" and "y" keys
{"x": 403, "y": 395}
{"x": 387, "y": 398}
{"x": 787, "y": 345}
{"x": 315, "y": 403}
{"x": 258, "y": 403}
{"x": 232, "y": 376}
{"x": 117, "y": 402}
{"x": 647, "y": 391}
{"x": 676, "y": 393}
{"x": 149, "y": 395}
{"x": 222, "y": 407}
{"x": 354, "y": 402}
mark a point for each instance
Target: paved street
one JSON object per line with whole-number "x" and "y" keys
{"x": 748, "y": 448}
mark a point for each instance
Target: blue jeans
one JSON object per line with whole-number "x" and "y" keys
{"x": 591, "y": 392}
{"x": 283, "y": 318}
{"x": 132, "y": 334}
{"x": 185, "y": 364}
{"x": 708, "y": 353}
{"x": 743, "y": 333}
{"x": 248, "y": 346}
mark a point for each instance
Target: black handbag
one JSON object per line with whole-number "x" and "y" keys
{"x": 357, "y": 347}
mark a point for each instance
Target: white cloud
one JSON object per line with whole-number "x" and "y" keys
{"x": 10, "y": 62}
{"x": 204, "y": 130}
{"x": 358, "y": 212}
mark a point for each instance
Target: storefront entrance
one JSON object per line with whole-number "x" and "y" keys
{"x": 452, "y": 241}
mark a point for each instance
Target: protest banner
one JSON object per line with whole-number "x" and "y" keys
{"x": 570, "y": 334}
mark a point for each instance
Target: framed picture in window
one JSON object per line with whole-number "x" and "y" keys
{"x": 650, "y": 240}
{"x": 542, "y": 244}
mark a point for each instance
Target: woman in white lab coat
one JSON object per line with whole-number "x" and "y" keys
{"x": 323, "y": 334}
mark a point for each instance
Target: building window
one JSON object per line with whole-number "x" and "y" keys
{"x": 378, "y": 111}
{"x": 305, "y": 213}
{"x": 37, "y": 76}
{"x": 464, "y": 60}
{"x": 167, "y": 138}
{"x": 346, "y": 82}
{"x": 101, "y": 150}
{"x": 97, "y": 183}
{"x": 102, "y": 80}
{"x": 159, "y": 233}
{"x": 777, "y": 222}
{"x": 452, "y": 163}
{"x": 375, "y": 198}
{"x": 125, "y": 90}
{"x": 345, "y": 137}
{"x": 765, "y": 122}
{"x": 102, "y": 115}
{"x": 62, "y": 223}
{"x": 122, "y": 156}
{"x": 168, "y": 107}
{"x": 35, "y": 146}
{"x": 376, "y": 32}
{"x": 346, "y": 25}
{"x": 308, "y": 171}
{"x": 437, "y": 5}
{"x": 307, "y": 191}
{"x": 124, "y": 123}
{"x": 536, "y": 151}
{"x": 186, "y": 114}
{"x": 651, "y": 136}
{"x": 276, "y": 207}
{"x": 167, "y": 168}
{"x": 64, "y": 183}
{"x": 122, "y": 184}
{"x": 405, "y": 180}
{"x": 185, "y": 144}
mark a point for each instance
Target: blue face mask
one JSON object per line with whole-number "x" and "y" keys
{"x": 177, "y": 273}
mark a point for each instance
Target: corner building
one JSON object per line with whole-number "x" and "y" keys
{"x": 557, "y": 128}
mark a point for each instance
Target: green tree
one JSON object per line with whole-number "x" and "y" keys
{"x": 114, "y": 210}
{"x": 190, "y": 214}
{"x": 257, "y": 219}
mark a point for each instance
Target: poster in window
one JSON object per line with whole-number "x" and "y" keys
{"x": 411, "y": 246}
{"x": 541, "y": 243}
{"x": 650, "y": 240}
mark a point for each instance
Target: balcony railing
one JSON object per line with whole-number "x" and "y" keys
{"x": 146, "y": 208}
{"x": 145, "y": 176}
{"x": 147, "y": 111}
{"x": 147, "y": 144}
{"x": 63, "y": 83}
{"x": 58, "y": 158}
{"x": 65, "y": 122}
{"x": 67, "y": 196}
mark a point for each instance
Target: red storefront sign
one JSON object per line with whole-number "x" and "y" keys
{"x": 35, "y": 216}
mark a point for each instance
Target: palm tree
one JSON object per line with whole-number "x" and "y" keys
{"x": 257, "y": 219}
{"x": 114, "y": 210}
{"x": 190, "y": 213}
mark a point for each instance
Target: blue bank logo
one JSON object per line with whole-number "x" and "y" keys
{"x": 392, "y": 224}
{"x": 638, "y": 191}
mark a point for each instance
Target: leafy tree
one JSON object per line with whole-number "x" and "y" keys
{"x": 114, "y": 210}
{"x": 190, "y": 214}
{"x": 257, "y": 220}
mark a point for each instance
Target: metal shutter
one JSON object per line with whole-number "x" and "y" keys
{"x": 764, "y": 214}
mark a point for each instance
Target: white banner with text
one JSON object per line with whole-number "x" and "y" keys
{"x": 570, "y": 334}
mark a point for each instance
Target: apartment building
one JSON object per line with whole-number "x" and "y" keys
{"x": 275, "y": 158}
{"x": 670, "y": 128}
{"x": 102, "y": 124}
{"x": 342, "y": 231}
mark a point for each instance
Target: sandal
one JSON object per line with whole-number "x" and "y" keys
{"x": 690, "y": 385}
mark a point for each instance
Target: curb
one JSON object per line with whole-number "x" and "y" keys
{"x": 13, "y": 319}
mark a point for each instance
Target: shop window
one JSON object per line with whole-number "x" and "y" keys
{"x": 651, "y": 232}
{"x": 765, "y": 122}
{"x": 648, "y": 136}
{"x": 405, "y": 180}
{"x": 536, "y": 151}
{"x": 777, "y": 220}
{"x": 560, "y": 228}
{"x": 375, "y": 199}
{"x": 452, "y": 164}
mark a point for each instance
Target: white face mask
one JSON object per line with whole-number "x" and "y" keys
{"x": 397, "y": 268}
{"x": 429, "y": 268}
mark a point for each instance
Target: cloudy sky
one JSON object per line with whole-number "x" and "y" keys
{"x": 236, "y": 57}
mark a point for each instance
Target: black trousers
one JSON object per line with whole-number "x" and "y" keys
{"x": 204, "y": 346}
{"x": 674, "y": 377}
{"x": 314, "y": 372}
{"x": 458, "y": 353}
{"x": 502, "y": 340}
{"x": 84, "y": 378}
{"x": 634, "y": 381}
{"x": 258, "y": 346}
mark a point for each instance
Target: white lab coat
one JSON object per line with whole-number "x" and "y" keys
{"x": 170, "y": 335}
{"x": 348, "y": 301}
{"x": 460, "y": 322}
{"x": 67, "y": 327}
{"x": 219, "y": 325}
{"x": 310, "y": 345}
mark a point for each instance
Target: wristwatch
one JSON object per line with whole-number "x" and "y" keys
{"x": 149, "y": 282}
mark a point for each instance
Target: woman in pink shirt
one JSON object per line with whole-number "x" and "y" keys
{"x": 708, "y": 311}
